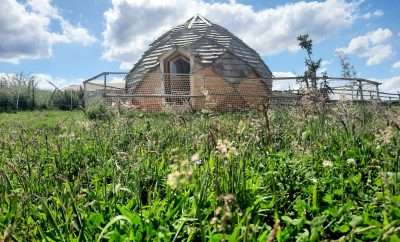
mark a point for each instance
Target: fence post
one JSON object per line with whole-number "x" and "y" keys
{"x": 360, "y": 90}
{"x": 377, "y": 91}
{"x": 70, "y": 94}
{"x": 105, "y": 84}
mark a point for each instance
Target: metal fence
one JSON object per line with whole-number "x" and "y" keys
{"x": 156, "y": 92}
{"x": 21, "y": 91}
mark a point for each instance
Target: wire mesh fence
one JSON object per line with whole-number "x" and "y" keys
{"x": 19, "y": 92}
{"x": 156, "y": 92}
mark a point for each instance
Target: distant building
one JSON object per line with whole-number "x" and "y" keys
{"x": 73, "y": 87}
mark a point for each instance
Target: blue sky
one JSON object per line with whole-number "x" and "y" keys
{"x": 68, "y": 41}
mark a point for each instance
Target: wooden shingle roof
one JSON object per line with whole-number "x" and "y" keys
{"x": 204, "y": 39}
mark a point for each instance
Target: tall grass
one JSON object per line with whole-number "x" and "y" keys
{"x": 204, "y": 177}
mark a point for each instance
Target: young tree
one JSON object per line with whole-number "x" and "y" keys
{"x": 312, "y": 65}
{"x": 348, "y": 70}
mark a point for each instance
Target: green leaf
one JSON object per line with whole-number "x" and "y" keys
{"x": 133, "y": 217}
{"x": 344, "y": 228}
{"x": 356, "y": 220}
{"x": 394, "y": 238}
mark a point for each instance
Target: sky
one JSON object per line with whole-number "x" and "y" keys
{"x": 70, "y": 41}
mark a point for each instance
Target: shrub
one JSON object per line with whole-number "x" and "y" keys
{"x": 98, "y": 110}
{"x": 10, "y": 101}
{"x": 68, "y": 100}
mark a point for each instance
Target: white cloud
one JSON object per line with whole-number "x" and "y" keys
{"x": 43, "y": 7}
{"x": 396, "y": 65}
{"x": 372, "y": 46}
{"x": 283, "y": 74}
{"x": 132, "y": 24}
{"x": 376, "y": 13}
{"x": 324, "y": 67}
{"x": 391, "y": 85}
{"x": 282, "y": 85}
{"x": 325, "y": 63}
{"x": 70, "y": 33}
{"x": 44, "y": 80}
{"x": 25, "y": 30}
{"x": 75, "y": 34}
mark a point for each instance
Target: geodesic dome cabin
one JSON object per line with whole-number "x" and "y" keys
{"x": 199, "y": 65}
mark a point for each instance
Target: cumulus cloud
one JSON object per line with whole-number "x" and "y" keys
{"x": 391, "y": 85}
{"x": 74, "y": 34}
{"x": 396, "y": 65}
{"x": 44, "y": 81}
{"x": 376, "y": 13}
{"x": 324, "y": 66}
{"x": 372, "y": 46}
{"x": 25, "y": 30}
{"x": 132, "y": 24}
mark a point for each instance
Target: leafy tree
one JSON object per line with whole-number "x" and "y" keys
{"x": 17, "y": 92}
{"x": 312, "y": 65}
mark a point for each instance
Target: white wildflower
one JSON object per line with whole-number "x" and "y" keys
{"x": 180, "y": 176}
{"x": 351, "y": 161}
{"x": 173, "y": 179}
{"x": 226, "y": 148}
{"x": 196, "y": 159}
{"x": 327, "y": 163}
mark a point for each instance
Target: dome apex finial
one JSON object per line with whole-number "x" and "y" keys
{"x": 198, "y": 17}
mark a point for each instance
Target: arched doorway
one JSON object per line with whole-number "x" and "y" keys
{"x": 177, "y": 80}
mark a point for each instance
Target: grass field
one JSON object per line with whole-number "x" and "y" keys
{"x": 283, "y": 175}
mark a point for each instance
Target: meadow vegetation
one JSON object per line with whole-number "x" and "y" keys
{"x": 284, "y": 174}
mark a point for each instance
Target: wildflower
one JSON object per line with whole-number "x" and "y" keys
{"x": 385, "y": 136}
{"x": 122, "y": 155}
{"x": 388, "y": 134}
{"x": 180, "y": 176}
{"x": 227, "y": 199}
{"x": 218, "y": 211}
{"x": 196, "y": 159}
{"x": 351, "y": 161}
{"x": 222, "y": 147}
{"x": 226, "y": 217}
{"x": 327, "y": 163}
{"x": 226, "y": 148}
{"x": 174, "y": 179}
{"x": 223, "y": 214}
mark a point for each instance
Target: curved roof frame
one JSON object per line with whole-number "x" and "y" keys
{"x": 180, "y": 30}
